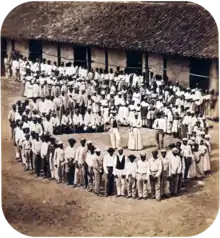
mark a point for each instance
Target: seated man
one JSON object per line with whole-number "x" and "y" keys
{"x": 77, "y": 122}
{"x": 89, "y": 121}
{"x": 66, "y": 123}
{"x": 99, "y": 122}
{"x": 56, "y": 124}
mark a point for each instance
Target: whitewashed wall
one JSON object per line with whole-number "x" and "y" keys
{"x": 214, "y": 84}
{"x": 50, "y": 51}
{"x": 22, "y": 46}
{"x": 66, "y": 52}
{"x": 116, "y": 58}
{"x": 9, "y": 47}
{"x": 155, "y": 62}
{"x": 98, "y": 56}
{"x": 178, "y": 69}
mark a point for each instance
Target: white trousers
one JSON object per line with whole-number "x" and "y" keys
{"x": 115, "y": 138}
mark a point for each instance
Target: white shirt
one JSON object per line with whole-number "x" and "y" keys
{"x": 108, "y": 161}
{"x": 175, "y": 164}
{"x": 131, "y": 169}
{"x": 142, "y": 167}
{"x": 70, "y": 152}
{"x": 44, "y": 149}
{"x": 80, "y": 154}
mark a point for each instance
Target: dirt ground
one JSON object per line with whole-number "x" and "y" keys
{"x": 37, "y": 207}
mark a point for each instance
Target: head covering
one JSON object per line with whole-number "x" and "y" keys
{"x": 71, "y": 140}
{"x": 82, "y": 139}
{"x": 60, "y": 143}
{"x": 120, "y": 148}
{"x": 163, "y": 150}
{"x": 185, "y": 139}
{"x": 207, "y": 136}
{"x": 131, "y": 156}
{"x": 175, "y": 150}
{"x": 97, "y": 149}
{"x": 110, "y": 149}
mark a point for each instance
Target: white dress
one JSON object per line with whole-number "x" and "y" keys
{"x": 205, "y": 159}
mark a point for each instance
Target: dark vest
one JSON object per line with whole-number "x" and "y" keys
{"x": 120, "y": 164}
{"x": 114, "y": 124}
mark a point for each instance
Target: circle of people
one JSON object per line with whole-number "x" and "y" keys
{"x": 71, "y": 99}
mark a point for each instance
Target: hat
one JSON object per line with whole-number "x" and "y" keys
{"x": 207, "y": 136}
{"x": 110, "y": 149}
{"x": 193, "y": 138}
{"x": 120, "y": 148}
{"x": 82, "y": 139}
{"x": 72, "y": 140}
{"x": 163, "y": 150}
{"x": 142, "y": 154}
{"x": 131, "y": 156}
{"x": 97, "y": 149}
{"x": 202, "y": 133}
{"x": 60, "y": 143}
{"x": 175, "y": 150}
{"x": 185, "y": 139}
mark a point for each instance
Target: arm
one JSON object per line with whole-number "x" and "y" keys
{"x": 104, "y": 166}
{"x": 160, "y": 168}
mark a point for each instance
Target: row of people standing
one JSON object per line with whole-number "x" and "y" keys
{"x": 156, "y": 175}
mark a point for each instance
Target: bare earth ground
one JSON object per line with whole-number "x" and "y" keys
{"x": 37, "y": 207}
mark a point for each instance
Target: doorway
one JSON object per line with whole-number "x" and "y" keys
{"x": 3, "y": 54}
{"x": 35, "y": 49}
{"x": 199, "y": 67}
{"x": 80, "y": 55}
{"x": 134, "y": 62}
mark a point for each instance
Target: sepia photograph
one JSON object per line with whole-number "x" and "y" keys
{"x": 110, "y": 118}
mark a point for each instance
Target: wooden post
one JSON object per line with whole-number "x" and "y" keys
{"x": 106, "y": 59}
{"x": 58, "y": 54}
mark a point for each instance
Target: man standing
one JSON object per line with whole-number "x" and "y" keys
{"x": 187, "y": 157}
{"x": 26, "y": 146}
{"x": 51, "y": 149}
{"x": 159, "y": 125}
{"x": 98, "y": 170}
{"x": 175, "y": 166}
{"x": 142, "y": 177}
{"x": 114, "y": 132}
{"x": 59, "y": 162}
{"x": 36, "y": 149}
{"x": 131, "y": 171}
{"x": 11, "y": 119}
{"x": 90, "y": 163}
{"x": 44, "y": 156}
{"x": 80, "y": 160}
{"x": 165, "y": 185}
{"x": 70, "y": 154}
{"x": 155, "y": 166}
{"x": 119, "y": 172}
{"x": 108, "y": 165}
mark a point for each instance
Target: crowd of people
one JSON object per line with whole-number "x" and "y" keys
{"x": 68, "y": 99}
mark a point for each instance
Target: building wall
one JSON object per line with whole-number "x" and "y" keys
{"x": 155, "y": 62}
{"x": 22, "y": 46}
{"x": 98, "y": 56}
{"x": 50, "y": 51}
{"x": 66, "y": 52}
{"x": 9, "y": 47}
{"x": 116, "y": 58}
{"x": 178, "y": 69}
{"x": 214, "y": 84}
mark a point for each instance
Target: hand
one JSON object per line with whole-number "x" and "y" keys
{"x": 55, "y": 166}
{"x": 127, "y": 180}
{"x": 145, "y": 181}
{"x": 123, "y": 176}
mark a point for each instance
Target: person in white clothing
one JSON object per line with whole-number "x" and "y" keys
{"x": 70, "y": 155}
{"x": 131, "y": 171}
{"x": 175, "y": 168}
{"x": 119, "y": 172}
{"x": 108, "y": 166}
{"x": 59, "y": 161}
{"x": 142, "y": 176}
